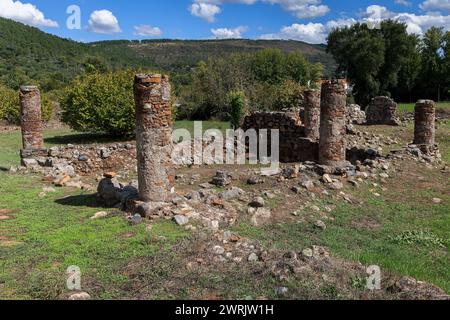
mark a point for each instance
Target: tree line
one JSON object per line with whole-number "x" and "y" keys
{"x": 389, "y": 61}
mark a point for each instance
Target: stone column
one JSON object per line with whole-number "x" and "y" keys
{"x": 425, "y": 126}
{"x": 31, "y": 120}
{"x": 154, "y": 137}
{"x": 312, "y": 114}
{"x": 332, "y": 143}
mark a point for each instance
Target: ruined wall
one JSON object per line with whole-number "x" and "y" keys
{"x": 382, "y": 111}
{"x": 294, "y": 147}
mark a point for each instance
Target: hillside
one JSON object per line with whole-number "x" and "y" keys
{"x": 181, "y": 55}
{"x": 29, "y": 55}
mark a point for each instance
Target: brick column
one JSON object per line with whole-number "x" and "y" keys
{"x": 425, "y": 126}
{"x": 31, "y": 120}
{"x": 312, "y": 114}
{"x": 332, "y": 144}
{"x": 153, "y": 137}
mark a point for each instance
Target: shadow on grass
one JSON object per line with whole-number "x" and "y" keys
{"x": 83, "y": 200}
{"x": 4, "y": 169}
{"x": 87, "y": 138}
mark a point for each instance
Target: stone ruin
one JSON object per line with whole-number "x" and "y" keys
{"x": 327, "y": 152}
{"x": 382, "y": 111}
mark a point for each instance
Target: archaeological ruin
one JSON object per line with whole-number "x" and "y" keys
{"x": 154, "y": 137}
{"x": 382, "y": 111}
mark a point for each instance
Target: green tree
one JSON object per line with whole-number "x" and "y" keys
{"x": 360, "y": 54}
{"x": 101, "y": 103}
{"x": 238, "y": 106}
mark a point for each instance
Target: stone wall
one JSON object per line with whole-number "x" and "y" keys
{"x": 294, "y": 147}
{"x": 382, "y": 111}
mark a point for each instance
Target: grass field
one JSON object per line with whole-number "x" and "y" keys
{"x": 409, "y": 107}
{"x": 402, "y": 231}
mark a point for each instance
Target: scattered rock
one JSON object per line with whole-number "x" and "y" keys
{"x": 80, "y": 296}
{"x": 281, "y": 291}
{"x": 253, "y": 257}
{"x": 135, "y": 219}
{"x": 218, "y": 250}
{"x": 253, "y": 180}
{"x": 258, "y": 202}
{"x": 437, "y": 201}
{"x": 100, "y": 215}
{"x": 337, "y": 185}
{"x": 221, "y": 179}
{"x": 110, "y": 175}
{"x": 261, "y": 216}
{"x": 181, "y": 220}
{"x": 320, "y": 225}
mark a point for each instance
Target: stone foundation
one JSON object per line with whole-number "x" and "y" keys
{"x": 382, "y": 111}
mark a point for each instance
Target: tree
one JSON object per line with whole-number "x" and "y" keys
{"x": 238, "y": 106}
{"x": 433, "y": 63}
{"x": 102, "y": 103}
{"x": 409, "y": 71}
{"x": 360, "y": 53}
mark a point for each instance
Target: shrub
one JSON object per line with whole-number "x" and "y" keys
{"x": 238, "y": 106}
{"x": 10, "y": 108}
{"x": 101, "y": 103}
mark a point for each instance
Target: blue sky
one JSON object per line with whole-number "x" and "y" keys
{"x": 306, "y": 20}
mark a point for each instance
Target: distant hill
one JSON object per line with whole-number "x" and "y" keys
{"x": 181, "y": 55}
{"x": 29, "y": 55}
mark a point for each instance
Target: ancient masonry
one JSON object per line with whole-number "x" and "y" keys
{"x": 425, "y": 127}
{"x": 382, "y": 110}
{"x": 332, "y": 144}
{"x": 294, "y": 147}
{"x": 30, "y": 110}
{"x": 312, "y": 114}
{"x": 154, "y": 137}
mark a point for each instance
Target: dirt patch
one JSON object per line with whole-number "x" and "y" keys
{"x": 366, "y": 223}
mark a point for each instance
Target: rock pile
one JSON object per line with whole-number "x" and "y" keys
{"x": 382, "y": 110}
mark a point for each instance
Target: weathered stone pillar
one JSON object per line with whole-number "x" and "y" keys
{"x": 312, "y": 114}
{"x": 332, "y": 143}
{"x": 31, "y": 120}
{"x": 425, "y": 126}
{"x": 154, "y": 137}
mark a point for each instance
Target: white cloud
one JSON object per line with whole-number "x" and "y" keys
{"x": 403, "y": 3}
{"x": 144, "y": 30}
{"x": 103, "y": 21}
{"x": 302, "y": 8}
{"x": 208, "y": 9}
{"x": 26, "y": 13}
{"x": 318, "y": 32}
{"x": 439, "y": 5}
{"x": 226, "y": 33}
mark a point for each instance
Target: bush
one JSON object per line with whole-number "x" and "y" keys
{"x": 101, "y": 103}
{"x": 10, "y": 108}
{"x": 238, "y": 106}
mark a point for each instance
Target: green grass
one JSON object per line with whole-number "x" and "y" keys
{"x": 409, "y": 107}
{"x": 424, "y": 256}
{"x": 49, "y": 237}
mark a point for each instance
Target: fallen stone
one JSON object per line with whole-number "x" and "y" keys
{"x": 261, "y": 216}
{"x": 258, "y": 202}
{"x": 253, "y": 257}
{"x": 218, "y": 250}
{"x": 437, "y": 201}
{"x": 221, "y": 179}
{"x": 110, "y": 175}
{"x": 253, "y": 180}
{"x": 181, "y": 220}
{"x": 326, "y": 178}
{"x": 135, "y": 219}
{"x": 337, "y": 185}
{"x": 281, "y": 291}
{"x": 80, "y": 296}
{"x": 99, "y": 215}
{"x": 320, "y": 225}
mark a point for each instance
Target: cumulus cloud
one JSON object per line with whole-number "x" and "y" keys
{"x": 208, "y": 9}
{"x": 144, "y": 30}
{"x": 103, "y": 21}
{"x": 403, "y": 3}
{"x": 26, "y": 13}
{"x": 226, "y": 33}
{"x": 436, "y": 5}
{"x": 318, "y": 32}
